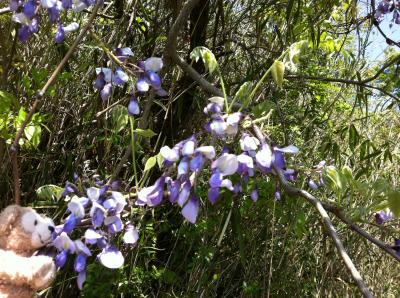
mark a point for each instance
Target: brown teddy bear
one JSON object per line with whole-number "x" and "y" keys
{"x": 22, "y": 232}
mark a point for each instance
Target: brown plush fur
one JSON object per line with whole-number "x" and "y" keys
{"x": 22, "y": 273}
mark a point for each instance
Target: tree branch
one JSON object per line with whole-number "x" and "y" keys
{"x": 325, "y": 218}
{"x": 171, "y": 53}
{"x": 352, "y": 226}
{"x": 344, "y": 81}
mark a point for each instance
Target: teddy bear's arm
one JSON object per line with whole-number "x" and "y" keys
{"x": 36, "y": 272}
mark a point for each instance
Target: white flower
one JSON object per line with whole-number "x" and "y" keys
{"x": 207, "y": 151}
{"x": 248, "y": 143}
{"x": 188, "y": 148}
{"x": 71, "y": 27}
{"x": 153, "y": 64}
{"x": 227, "y": 164}
{"x": 264, "y": 156}
{"x": 169, "y": 154}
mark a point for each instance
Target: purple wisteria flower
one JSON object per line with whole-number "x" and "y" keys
{"x": 62, "y": 30}
{"x": 28, "y": 16}
{"x": 123, "y": 53}
{"x": 312, "y": 184}
{"x": 254, "y": 195}
{"x": 383, "y": 216}
{"x": 133, "y": 106}
{"x": 131, "y": 235}
{"x": 149, "y": 76}
{"x": 382, "y": 9}
{"x": 28, "y": 19}
{"x": 111, "y": 257}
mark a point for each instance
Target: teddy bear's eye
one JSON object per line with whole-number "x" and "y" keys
{"x": 35, "y": 223}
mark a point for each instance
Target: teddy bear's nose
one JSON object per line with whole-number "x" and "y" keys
{"x": 51, "y": 229}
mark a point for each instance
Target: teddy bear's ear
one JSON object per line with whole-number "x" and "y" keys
{"x": 8, "y": 217}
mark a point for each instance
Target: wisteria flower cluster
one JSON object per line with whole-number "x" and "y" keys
{"x": 104, "y": 208}
{"x": 146, "y": 70}
{"x": 386, "y": 6}
{"x": 107, "y": 78}
{"x": 187, "y": 160}
{"x": 227, "y": 170}
{"x": 26, "y": 13}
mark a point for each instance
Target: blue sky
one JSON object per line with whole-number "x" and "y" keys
{"x": 377, "y": 46}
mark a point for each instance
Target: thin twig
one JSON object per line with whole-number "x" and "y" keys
{"x": 325, "y": 218}
{"x": 345, "y": 81}
{"x": 352, "y": 226}
{"x": 50, "y": 81}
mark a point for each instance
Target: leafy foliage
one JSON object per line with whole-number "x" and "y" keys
{"x": 318, "y": 97}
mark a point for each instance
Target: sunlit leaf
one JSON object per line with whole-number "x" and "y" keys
{"x": 147, "y": 133}
{"x": 49, "y": 192}
{"x": 120, "y": 117}
{"x": 242, "y": 95}
{"x": 394, "y": 202}
{"x": 277, "y": 71}
{"x": 207, "y": 56}
{"x": 150, "y": 163}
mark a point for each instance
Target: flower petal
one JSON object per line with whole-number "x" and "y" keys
{"x": 191, "y": 209}
{"x": 169, "y": 154}
{"x": 227, "y": 164}
{"x": 81, "y": 279}
{"x": 133, "y": 107}
{"x": 111, "y": 258}
{"x": 71, "y": 27}
{"x": 289, "y": 149}
{"x": 131, "y": 235}
{"x": 153, "y": 64}
{"x": 207, "y": 151}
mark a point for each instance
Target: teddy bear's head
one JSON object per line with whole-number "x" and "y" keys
{"x": 23, "y": 230}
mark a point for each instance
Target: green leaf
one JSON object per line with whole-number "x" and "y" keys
{"x": 207, "y": 56}
{"x": 354, "y": 137}
{"x": 150, "y": 163}
{"x": 242, "y": 95}
{"x": 333, "y": 178}
{"x": 33, "y": 133}
{"x": 6, "y": 99}
{"x": 299, "y": 228}
{"x": 120, "y": 117}
{"x": 277, "y": 71}
{"x": 20, "y": 118}
{"x": 49, "y": 192}
{"x": 394, "y": 202}
{"x": 39, "y": 75}
{"x": 160, "y": 160}
{"x": 347, "y": 174}
{"x": 147, "y": 133}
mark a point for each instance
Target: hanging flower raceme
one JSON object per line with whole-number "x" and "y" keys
{"x": 29, "y": 21}
{"x": 105, "y": 206}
